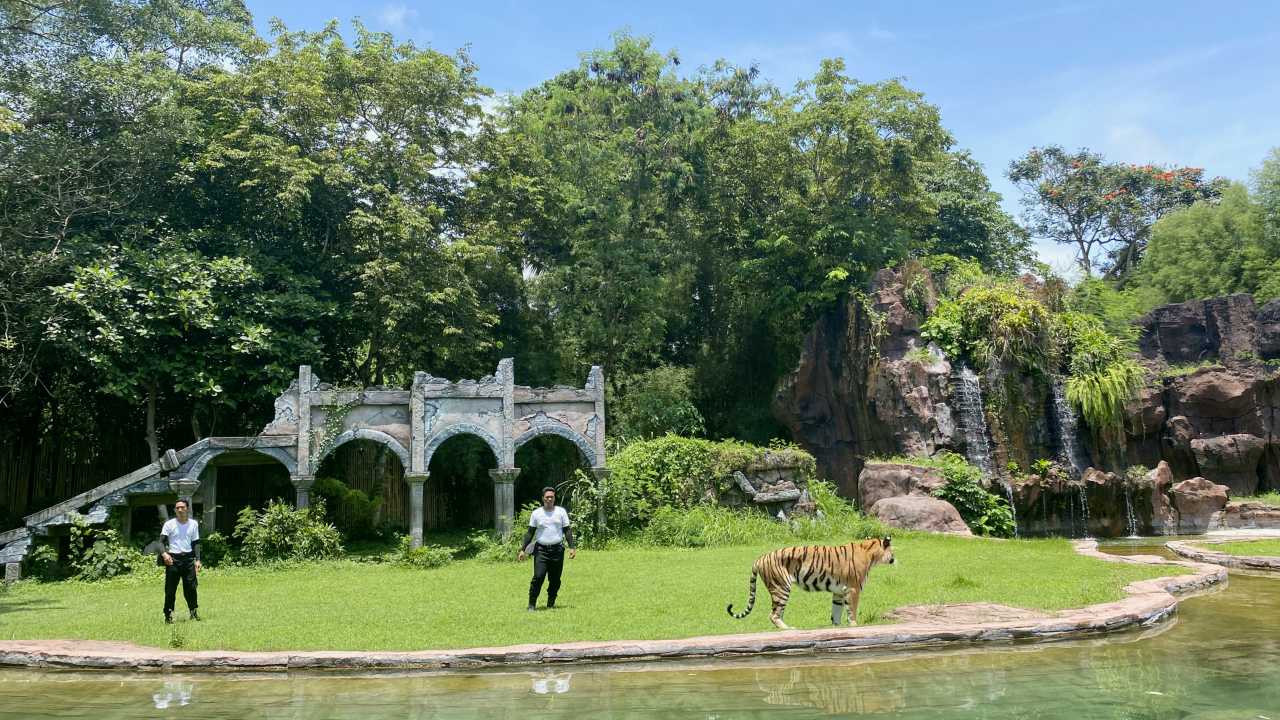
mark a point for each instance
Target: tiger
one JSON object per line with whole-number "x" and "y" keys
{"x": 841, "y": 571}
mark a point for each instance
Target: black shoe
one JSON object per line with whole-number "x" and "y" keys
{"x": 531, "y": 608}
{"x": 168, "y": 619}
{"x": 195, "y": 615}
{"x": 551, "y": 604}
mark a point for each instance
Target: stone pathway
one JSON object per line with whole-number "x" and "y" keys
{"x": 1148, "y": 602}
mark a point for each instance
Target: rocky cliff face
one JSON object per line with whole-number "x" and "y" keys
{"x": 856, "y": 393}
{"x": 1220, "y": 421}
{"x": 865, "y": 387}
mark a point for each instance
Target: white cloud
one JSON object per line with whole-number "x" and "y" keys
{"x": 878, "y": 33}
{"x": 396, "y": 16}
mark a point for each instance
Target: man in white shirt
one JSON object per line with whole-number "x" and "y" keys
{"x": 181, "y": 538}
{"x": 544, "y": 540}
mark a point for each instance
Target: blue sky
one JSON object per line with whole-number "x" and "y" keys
{"x": 1191, "y": 83}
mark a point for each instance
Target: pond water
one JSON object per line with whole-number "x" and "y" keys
{"x": 1220, "y": 658}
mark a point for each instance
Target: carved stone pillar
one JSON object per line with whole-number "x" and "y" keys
{"x": 602, "y": 477}
{"x": 417, "y": 482}
{"x": 504, "y": 499}
{"x": 210, "y": 487}
{"x": 302, "y": 486}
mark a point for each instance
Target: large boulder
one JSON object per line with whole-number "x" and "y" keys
{"x": 919, "y": 512}
{"x": 878, "y": 481}
{"x": 1158, "y": 481}
{"x": 1231, "y": 460}
{"x": 1197, "y": 501}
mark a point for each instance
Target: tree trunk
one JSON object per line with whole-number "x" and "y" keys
{"x": 153, "y": 443}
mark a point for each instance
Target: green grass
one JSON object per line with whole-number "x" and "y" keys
{"x": 1246, "y": 547}
{"x": 1267, "y": 498}
{"x": 621, "y": 593}
{"x": 1184, "y": 369}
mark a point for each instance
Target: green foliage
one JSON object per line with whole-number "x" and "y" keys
{"x": 1184, "y": 369}
{"x": 1212, "y": 249}
{"x": 214, "y": 549}
{"x": 991, "y": 326}
{"x": 716, "y": 526}
{"x": 487, "y": 546}
{"x": 426, "y": 556}
{"x": 1117, "y": 309}
{"x": 280, "y": 532}
{"x": 680, "y": 473}
{"x": 348, "y": 509}
{"x": 1100, "y": 395}
{"x": 656, "y": 402}
{"x": 984, "y": 512}
{"x": 42, "y": 563}
{"x": 98, "y": 554}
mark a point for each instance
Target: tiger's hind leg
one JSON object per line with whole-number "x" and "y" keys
{"x": 837, "y": 608}
{"x": 779, "y": 596}
{"x": 851, "y": 598}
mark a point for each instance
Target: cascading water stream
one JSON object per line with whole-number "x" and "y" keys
{"x": 1128, "y": 508}
{"x": 1084, "y": 510}
{"x": 1013, "y": 509}
{"x": 973, "y": 421}
{"x": 1070, "y": 452}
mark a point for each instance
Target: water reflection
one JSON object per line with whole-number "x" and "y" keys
{"x": 175, "y": 692}
{"x": 551, "y": 684}
{"x": 1218, "y": 659}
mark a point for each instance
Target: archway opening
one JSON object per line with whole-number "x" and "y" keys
{"x": 459, "y": 491}
{"x": 241, "y": 478}
{"x": 547, "y": 461}
{"x": 362, "y": 485}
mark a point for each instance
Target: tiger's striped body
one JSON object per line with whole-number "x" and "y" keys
{"x": 839, "y": 570}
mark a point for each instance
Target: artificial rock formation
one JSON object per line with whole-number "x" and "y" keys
{"x": 920, "y": 512}
{"x": 883, "y": 480}
{"x": 868, "y": 385}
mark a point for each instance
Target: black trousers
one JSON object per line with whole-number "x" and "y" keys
{"x": 184, "y": 568}
{"x": 548, "y": 562}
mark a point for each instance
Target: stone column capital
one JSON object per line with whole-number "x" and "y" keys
{"x": 416, "y": 478}
{"x": 601, "y": 473}
{"x": 183, "y": 487}
{"x": 506, "y": 476}
{"x": 302, "y": 482}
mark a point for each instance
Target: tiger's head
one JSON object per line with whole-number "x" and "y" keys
{"x": 886, "y": 551}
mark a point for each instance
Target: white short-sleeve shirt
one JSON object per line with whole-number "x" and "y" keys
{"x": 181, "y": 535}
{"x": 549, "y": 526}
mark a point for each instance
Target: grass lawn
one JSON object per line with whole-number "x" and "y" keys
{"x": 1267, "y": 498}
{"x": 627, "y": 593}
{"x": 1246, "y": 547}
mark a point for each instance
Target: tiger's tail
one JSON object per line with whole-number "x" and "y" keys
{"x": 751, "y": 599}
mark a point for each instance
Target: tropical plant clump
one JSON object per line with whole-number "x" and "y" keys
{"x": 984, "y": 512}
{"x": 280, "y": 532}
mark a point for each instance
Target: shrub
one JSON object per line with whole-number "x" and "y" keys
{"x": 214, "y": 548}
{"x": 716, "y": 526}
{"x": 427, "y": 556}
{"x": 97, "y": 554}
{"x": 485, "y": 545}
{"x": 282, "y": 533}
{"x": 681, "y": 473}
{"x": 984, "y": 512}
{"x": 42, "y": 563}
{"x": 348, "y": 509}
{"x": 992, "y": 325}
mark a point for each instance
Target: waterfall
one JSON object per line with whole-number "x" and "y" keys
{"x": 1013, "y": 509}
{"x": 1128, "y": 508}
{"x": 1069, "y": 451}
{"x": 1084, "y": 508}
{"x": 973, "y": 422}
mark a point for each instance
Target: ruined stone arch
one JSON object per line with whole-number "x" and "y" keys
{"x": 456, "y": 429}
{"x": 197, "y": 466}
{"x": 583, "y": 445}
{"x": 366, "y": 434}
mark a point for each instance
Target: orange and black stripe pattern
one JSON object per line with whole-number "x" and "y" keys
{"x": 840, "y": 570}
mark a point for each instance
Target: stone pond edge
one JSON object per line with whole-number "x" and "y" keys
{"x": 1267, "y": 563}
{"x": 1148, "y": 603}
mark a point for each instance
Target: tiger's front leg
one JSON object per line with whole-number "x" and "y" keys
{"x": 837, "y": 608}
{"x": 851, "y": 599}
